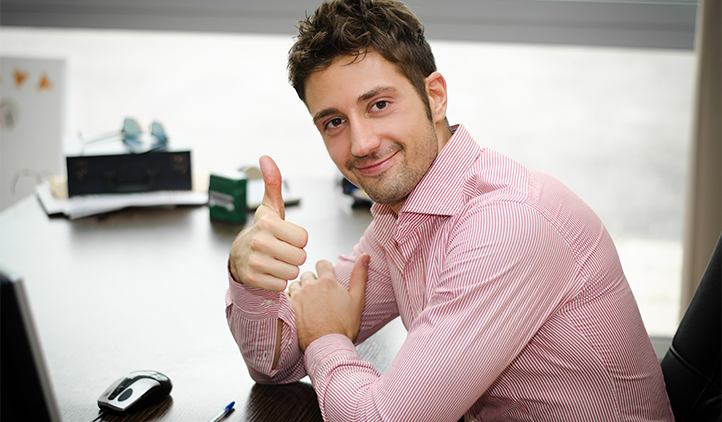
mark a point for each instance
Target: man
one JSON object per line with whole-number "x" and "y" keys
{"x": 510, "y": 288}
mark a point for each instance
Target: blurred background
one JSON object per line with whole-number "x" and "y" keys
{"x": 598, "y": 94}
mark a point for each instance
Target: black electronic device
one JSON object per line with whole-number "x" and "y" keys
{"x": 135, "y": 391}
{"x": 127, "y": 161}
{"x": 25, "y": 391}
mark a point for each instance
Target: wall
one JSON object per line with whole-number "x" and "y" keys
{"x": 32, "y": 103}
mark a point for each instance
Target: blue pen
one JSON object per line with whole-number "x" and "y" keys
{"x": 222, "y": 414}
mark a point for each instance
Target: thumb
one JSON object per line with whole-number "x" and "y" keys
{"x": 272, "y": 183}
{"x": 357, "y": 282}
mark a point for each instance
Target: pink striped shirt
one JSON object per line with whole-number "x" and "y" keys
{"x": 513, "y": 296}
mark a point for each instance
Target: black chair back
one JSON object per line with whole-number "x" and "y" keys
{"x": 691, "y": 366}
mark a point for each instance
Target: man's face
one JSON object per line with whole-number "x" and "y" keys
{"x": 374, "y": 124}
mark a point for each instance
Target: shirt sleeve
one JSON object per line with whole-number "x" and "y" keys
{"x": 506, "y": 270}
{"x": 380, "y": 302}
{"x": 253, "y": 315}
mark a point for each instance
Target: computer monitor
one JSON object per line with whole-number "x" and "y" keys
{"x": 25, "y": 390}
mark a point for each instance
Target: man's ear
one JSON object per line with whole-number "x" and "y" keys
{"x": 436, "y": 90}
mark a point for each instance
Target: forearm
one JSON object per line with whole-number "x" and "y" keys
{"x": 254, "y": 317}
{"x": 340, "y": 378}
{"x": 422, "y": 384}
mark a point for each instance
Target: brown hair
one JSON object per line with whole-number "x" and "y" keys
{"x": 356, "y": 27}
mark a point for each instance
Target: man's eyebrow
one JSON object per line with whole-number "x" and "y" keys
{"x": 362, "y": 98}
{"x": 323, "y": 113}
{"x": 374, "y": 92}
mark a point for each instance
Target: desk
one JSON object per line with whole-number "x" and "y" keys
{"x": 144, "y": 289}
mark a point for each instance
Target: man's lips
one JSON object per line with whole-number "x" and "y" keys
{"x": 376, "y": 166}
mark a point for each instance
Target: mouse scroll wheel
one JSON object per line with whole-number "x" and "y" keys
{"x": 127, "y": 393}
{"x": 119, "y": 389}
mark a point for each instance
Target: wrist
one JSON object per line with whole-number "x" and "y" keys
{"x": 256, "y": 303}
{"x": 231, "y": 272}
{"x": 326, "y": 347}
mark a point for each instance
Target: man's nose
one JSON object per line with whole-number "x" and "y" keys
{"x": 363, "y": 139}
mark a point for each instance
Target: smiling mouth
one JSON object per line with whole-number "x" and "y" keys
{"x": 376, "y": 162}
{"x": 376, "y": 166}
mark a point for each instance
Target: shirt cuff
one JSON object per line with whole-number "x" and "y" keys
{"x": 256, "y": 303}
{"x": 336, "y": 347}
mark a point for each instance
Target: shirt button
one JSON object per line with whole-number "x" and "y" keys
{"x": 267, "y": 302}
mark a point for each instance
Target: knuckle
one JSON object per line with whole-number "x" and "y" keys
{"x": 253, "y": 264}
{"x": 251, "y": 279}
{"x": 258, "y": 243}
{"x": 327, "y": 279}
{"x": 265, "y": 221}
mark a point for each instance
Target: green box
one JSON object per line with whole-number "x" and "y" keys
{"x": 227, "y": 197}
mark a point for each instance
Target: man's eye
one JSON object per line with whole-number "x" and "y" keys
{"x": 334, "y": 123}
{"x": 380, "y": 105}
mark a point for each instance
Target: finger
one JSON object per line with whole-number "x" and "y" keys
{"x": 262, "y": 268}
{"x": 325, "y": 271}
{"x": 305, "y": 277}
{"x": 272, "y": 182}
{"x": 266, "y": 282}
{"x": 281, "y": 249}
{"x": 293, "y": 287}
{"x": 359, "y": 275}
{"x": 290, "y": 233}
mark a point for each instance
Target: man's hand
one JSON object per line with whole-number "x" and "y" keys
{"x": 269, "y": 251}
{"x": 323, "y": 306}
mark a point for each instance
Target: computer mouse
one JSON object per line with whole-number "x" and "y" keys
{"x": 135, "y": 391}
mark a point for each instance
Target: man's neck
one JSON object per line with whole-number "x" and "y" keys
{"x": 443, "y": 134}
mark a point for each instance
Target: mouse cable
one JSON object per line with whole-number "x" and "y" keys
{"x": 100, "y": 415}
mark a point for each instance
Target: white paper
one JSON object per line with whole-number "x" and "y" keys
{"x": 86, "y": 205}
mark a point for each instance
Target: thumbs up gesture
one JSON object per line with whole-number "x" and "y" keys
{"x": 269, "y": 251}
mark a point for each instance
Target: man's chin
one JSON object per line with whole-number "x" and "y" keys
{"x": 387, "y": 188}
{"x": 385, "y": 196}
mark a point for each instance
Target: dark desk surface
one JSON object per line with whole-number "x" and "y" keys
{"x": 144, "y": 289}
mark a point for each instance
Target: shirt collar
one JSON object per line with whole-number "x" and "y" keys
{"x": 440, "y": 190}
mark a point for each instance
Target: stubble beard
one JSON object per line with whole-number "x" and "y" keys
{"x": 392, "y": 188}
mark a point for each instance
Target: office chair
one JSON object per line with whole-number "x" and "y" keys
{"x": 691, "y": 366}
